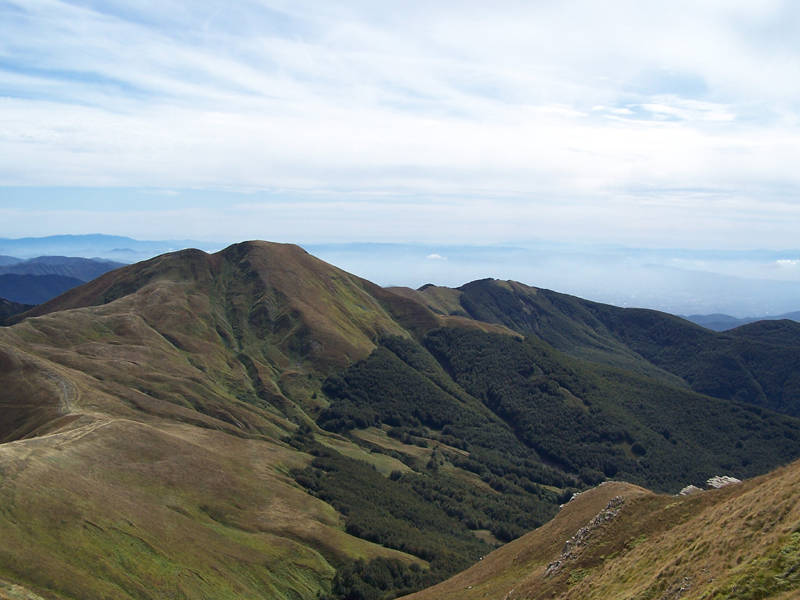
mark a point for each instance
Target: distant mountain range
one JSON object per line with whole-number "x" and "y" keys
{"x": 257, "y": 423}
{"x": 39, "y": 279}
{"x": 9, "y": 308}
{"x": 109, "y": 247}
{"x": 720, "y": 322}
{"x": 9, "y": 260}
{"x": 679, "y": 281}
{"x": 84, "y": 269}
{"x": 34, "y": 289}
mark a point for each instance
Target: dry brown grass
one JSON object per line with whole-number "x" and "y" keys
{"x": 706, "y": 546}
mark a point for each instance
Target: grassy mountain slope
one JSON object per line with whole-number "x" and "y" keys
{"x": 143, "y": 453}
{"x": 193, "y": 371}
{"x": 739, "y": 542}
{"x": 287, "y": 316}
{"x": 258, "y": 423}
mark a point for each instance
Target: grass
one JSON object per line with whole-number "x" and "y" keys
{"x": 180, "y": 511}
{"x": 154, "y": 420}
{"x": 385, "y": 465}
{"x": 170, "y": 480}
{"x": 778, "y": 571}
{"x": 739, "y": 542}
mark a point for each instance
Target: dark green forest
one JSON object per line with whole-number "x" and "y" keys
{"x": 533, "y": 424}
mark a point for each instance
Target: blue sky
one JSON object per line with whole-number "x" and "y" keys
{"x": 655, "y": 124}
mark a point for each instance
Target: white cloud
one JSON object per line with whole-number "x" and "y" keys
{"x": 436, "y": 257}
{"x": 536, "y": 113}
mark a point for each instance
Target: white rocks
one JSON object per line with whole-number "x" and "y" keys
{"x": 714, "y": 483}
{"x": 720, "y": 481}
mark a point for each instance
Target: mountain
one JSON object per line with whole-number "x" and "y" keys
{"x": 725, "y": 365}
{"x": 39, "y": 279}
{"x": 9, "y": 260}
{"x": 84, "y": 269}
{"x": 258, "y": 423}
{"x": 719, "y": 322}
{"x": 9, "y": 309}
{"x": 622, "y": 541}
{"x": 35, "y": 289}
{"x": 111, "y": 247}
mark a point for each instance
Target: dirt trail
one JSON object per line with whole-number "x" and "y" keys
{"x": 69, "y": 391}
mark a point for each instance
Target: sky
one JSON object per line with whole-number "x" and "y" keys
{"x": 642, "y": 124}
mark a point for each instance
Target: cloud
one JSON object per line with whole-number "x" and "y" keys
{"x": 535, "y": 113}
{"x": 436, "y": 257}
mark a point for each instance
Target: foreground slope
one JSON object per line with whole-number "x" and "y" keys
{"x": 619, "y": 541}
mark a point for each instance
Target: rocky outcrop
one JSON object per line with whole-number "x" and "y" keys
{"x": 581, "y": 537}
{"x": 689, "y": 490}
{"x": 720, "y": 481}
{"x": 713, "y": 483}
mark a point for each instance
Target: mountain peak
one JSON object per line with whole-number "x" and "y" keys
{"x": 265, "y": 294}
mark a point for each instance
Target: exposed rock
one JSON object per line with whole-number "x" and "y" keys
{"x": 689, "y": 490}
{"x": 574, "y": 495}
{"x": 577, "y": 541}
{"x": 720, "y": 481}
{"x": 678, "y": 589}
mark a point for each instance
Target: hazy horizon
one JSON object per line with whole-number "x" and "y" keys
{"x": 737, "y": 283}
{"x": 629, "y": 149}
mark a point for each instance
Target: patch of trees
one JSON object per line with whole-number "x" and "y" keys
{"x": 525, "y": 416}
{"x": 598, "y": 421}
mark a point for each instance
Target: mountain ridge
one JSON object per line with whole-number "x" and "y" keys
{"x": 34, "y": 289}
{"x": 84, "y": 269}
{"x": 722, "y": 322}
{"x": 265, "y": 410}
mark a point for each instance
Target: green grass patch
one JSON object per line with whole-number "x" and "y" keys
{"x": 775, "y": 573}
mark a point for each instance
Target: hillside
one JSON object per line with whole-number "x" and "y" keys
{"x": 620, "y": 541}
{"x": 258, "y": 423}
{"x": 655, "y": 344}
{"x": 34, "y": 289}
{"x": 9, "y": 309}
{"x": 160, "y": 367}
